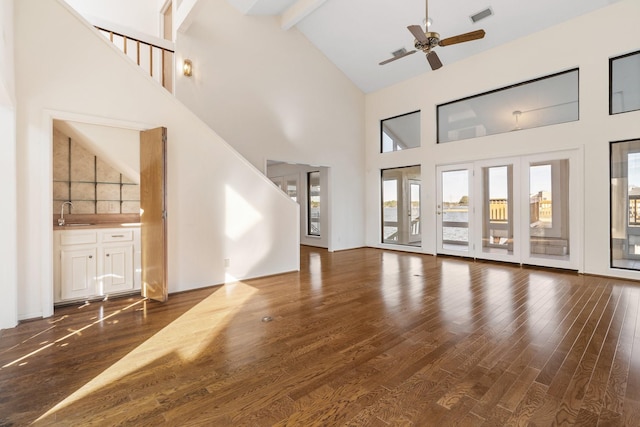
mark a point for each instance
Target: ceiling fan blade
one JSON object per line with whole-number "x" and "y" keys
{"x": 434, "y": 61}
{"x": 417, "y": 32}
{"x": 398, "y": 57}
{"x": 461, "y": 38}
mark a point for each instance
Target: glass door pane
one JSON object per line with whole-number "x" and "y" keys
{"x": 415, "y": 234}
{"x": 549, "y": 209}
{"x": 497, "y": 210}
{"x": 453, "y": 210}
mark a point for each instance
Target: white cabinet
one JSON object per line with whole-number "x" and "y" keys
{"x": 117, "y": 268}
{"x": 78, "y": 269}
{"x": 92, "y": 263}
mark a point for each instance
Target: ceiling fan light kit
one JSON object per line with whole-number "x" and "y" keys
{"x": 426, "y": 41}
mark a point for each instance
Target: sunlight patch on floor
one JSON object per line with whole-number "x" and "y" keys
{"x": 187, "y": 336}
{"x": 101, "y": 319}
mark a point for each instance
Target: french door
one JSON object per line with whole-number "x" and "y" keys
{"x": 401, "y": 206}
{"x": 454, "y": 212}
{"x": 552, "y": 231}
{"x": 519, "y": 210}
{"x": 497, "y": 183}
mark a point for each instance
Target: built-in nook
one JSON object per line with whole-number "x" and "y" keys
{"x": 96, "y": 211}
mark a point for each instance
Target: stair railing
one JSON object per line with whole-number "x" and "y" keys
{"x": 156, "y": 60}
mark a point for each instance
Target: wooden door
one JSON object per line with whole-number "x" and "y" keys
{"x": 153, "y": 237}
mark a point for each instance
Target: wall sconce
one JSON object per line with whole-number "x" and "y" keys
{"x": 187, "y": 68}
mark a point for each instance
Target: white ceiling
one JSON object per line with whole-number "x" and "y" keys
{"x": 357, "y": 34}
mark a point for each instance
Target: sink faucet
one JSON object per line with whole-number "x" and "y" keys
{"x": 61, "y": 219}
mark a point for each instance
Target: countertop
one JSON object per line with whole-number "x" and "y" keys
{"x": 69, "y": 226}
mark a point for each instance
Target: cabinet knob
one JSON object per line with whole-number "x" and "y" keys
{"x": 108, "y": 254}
{"x": 90, "y": 256}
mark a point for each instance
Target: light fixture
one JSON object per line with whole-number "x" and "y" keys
{"x": 427, "y": 22}
{"x": 517, "y": 114}
{"x": 187, "y": 67}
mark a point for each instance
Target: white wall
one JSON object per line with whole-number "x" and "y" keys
{"x": 7, "y": 79}
{"x": 219, "y": 206}
{"x": 272, "y": 95}
{"x": 8, "y": 214}
{"x": 139, "y": 15}
{"x": 557, "y": 49}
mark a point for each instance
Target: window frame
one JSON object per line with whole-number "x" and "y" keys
{"x": 611, "y": 61}
{"x": 395, "y": 144}
{"x": 506, "y": 88}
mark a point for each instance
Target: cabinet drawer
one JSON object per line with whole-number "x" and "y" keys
{"x": 78, "y": 238}
{"x": 117, "y": 236}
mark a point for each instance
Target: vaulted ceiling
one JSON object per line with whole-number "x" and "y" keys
{"x": 358, "y": 34}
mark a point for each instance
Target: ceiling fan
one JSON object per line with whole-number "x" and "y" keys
{"x": 426, "y": 41}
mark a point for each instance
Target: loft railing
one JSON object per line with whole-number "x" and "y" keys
{"x": 154, "y": 59}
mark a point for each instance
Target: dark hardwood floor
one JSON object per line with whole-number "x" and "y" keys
{"x": 361, "y": 338}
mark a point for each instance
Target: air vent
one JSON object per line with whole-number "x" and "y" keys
{"x": 481, "y": 15}
{"x": 399, "y": 52}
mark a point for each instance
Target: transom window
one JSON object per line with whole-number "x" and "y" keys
{"x": 535, "y": 103}
{"x": 625, "y": 83}
{"x": 400, "y": 132}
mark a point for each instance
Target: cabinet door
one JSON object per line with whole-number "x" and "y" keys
{"x": 117, "y": 274}
{"x": 78, "y": 273}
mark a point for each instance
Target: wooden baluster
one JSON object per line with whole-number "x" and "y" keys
{"x": 163, "y": 57}
{"x": 162, "y": 68}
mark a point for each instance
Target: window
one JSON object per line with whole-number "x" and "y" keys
{"x": 400, "y": 132}
{"x": 624, "y": 74}
{"x": 541, "y": 102}
{"x": 625, "y": 204}
{"x": 313, "y": 203}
